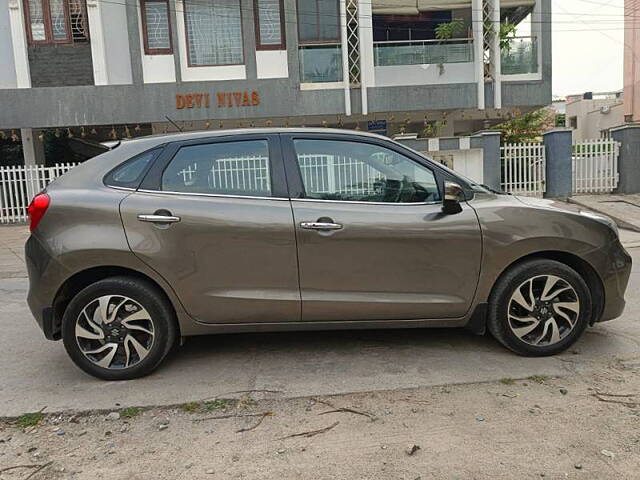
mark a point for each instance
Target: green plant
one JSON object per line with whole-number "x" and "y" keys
{"x": 217, "y": 404}
{"x": 130, "y": 412}
{"x": 507, "y": 381}
{"x": 448, "y": 30}
{"x": 190, "y": 407}
{"x": 526, "y": 128}
{"x": 538, "y": 378}
{"x": 506, "y": 34}
{"x": 29, "y": 419}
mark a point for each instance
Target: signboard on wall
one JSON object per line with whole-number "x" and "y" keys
{"x": 243, "y": 98}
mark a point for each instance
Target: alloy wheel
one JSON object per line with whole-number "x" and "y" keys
{"x": 543, "y": 310}
{"x": 114, "y": 332}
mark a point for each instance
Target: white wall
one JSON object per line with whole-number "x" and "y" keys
{"x": 424, "y": 74}
{"x": 466, "y": 162}
{"x": 116, "y": 37}
{"x": 8, "y": 69}
{"x": 156, "y": 68}
{"x": 272, "y": 64}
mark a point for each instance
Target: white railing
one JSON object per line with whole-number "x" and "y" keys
{"x": 595, "y": 166}
{"x": 524, "y": 169}
{"x": 19, "y": 184}
{"x": 337, "y": 174}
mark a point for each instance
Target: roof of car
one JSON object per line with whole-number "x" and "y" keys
{"x": 172, "y": 137}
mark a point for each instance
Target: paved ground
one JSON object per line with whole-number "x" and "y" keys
{"x": 624, "y": 209}
{"x": 37, "y": 373}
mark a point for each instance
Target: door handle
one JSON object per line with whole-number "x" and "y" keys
{"x": 321, "y": 226}
{"x": 158, "y": 218}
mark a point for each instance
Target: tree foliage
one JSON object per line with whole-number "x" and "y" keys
{"x": 528, "y": 127}
{"x": 446, "y": 31}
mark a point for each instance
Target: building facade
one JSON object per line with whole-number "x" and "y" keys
{"x": 119, "y": 68}
{"x": 593, "y": 115}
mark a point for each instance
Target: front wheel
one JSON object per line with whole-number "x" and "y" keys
{"x": 539, "y": 308}
{"x": 118, "y": 328}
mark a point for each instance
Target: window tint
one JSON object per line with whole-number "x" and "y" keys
{"x": 229, "y": 168}
{"x": 353, "y": 171}
{"x": 130, "y": 173}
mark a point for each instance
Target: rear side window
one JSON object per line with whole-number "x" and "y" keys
{"x": 228, "y": 168}
{"x": 130, "y": 173}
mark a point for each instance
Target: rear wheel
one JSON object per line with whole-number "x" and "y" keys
{"x": 118, "y": 328}
{"x": 539, "y": 307}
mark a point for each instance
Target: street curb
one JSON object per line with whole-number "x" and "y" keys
{"x": 621, "y": 223}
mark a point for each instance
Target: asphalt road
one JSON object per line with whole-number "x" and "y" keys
{"x": 36, "y": 373}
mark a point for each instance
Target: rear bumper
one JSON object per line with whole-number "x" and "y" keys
{"x": 44, "y": 274}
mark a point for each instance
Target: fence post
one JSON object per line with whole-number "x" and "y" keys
{"x": 558, "y": 146}
{"x": 489, "y": 142}
{"x": 629, "y": 159}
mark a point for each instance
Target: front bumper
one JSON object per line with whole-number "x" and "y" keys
{"x": 615, "y": 275}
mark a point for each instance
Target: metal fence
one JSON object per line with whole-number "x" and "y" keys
{"x": 19, "y": 184}
{"x": 524, "y": 169}
{"x": 595, "y": 166}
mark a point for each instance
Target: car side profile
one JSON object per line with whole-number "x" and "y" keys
{"x": 198, "y": 233}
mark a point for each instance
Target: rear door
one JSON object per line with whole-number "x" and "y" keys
{"x": 373, "y": 242}
{"x": 214, "y": 219}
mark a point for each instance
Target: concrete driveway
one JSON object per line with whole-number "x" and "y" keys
{"x": 36, "y": 373}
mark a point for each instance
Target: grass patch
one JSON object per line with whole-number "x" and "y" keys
{"x": 191, "y": 407}
{"x": 507, "y": 381}
{"x": 29, "y": 419}
{"x": 217, "y": 404}
{"x": 130, "y": 412}
{"x": 538, "y": 378}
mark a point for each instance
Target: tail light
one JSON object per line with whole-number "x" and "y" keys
{"x": 37, "y": 208}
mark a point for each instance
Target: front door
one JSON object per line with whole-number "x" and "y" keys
{"x": 213, "y": 218}
{"x": 373, "y": 242}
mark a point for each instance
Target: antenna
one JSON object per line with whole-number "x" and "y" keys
{"x": 173, "y": 123}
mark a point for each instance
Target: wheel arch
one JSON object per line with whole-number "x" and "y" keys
{"x": 584, "y": 269}
{"x": 78, "y": 281}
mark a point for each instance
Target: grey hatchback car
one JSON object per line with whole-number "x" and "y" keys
{"x": 169, "y": 236}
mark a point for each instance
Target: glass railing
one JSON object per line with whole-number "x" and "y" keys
{"x": 422, "y": 52}
{"x": 320, "y": 63}
{"x": 521, "y": 56}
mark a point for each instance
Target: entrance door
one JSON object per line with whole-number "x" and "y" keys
{"x": 373, "y": 242}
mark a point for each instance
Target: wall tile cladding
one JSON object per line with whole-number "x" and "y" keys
{"x": 61, "y": 65}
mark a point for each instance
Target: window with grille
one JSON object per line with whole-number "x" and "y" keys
{"x": 56, "y": 21}
{"x": 269, "y": 16}
{"x": 214, "y": 32}
{"x": 156, "y": 27}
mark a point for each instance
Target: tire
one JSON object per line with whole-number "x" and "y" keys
{"x": 520, "y": 294}
{"x": 127, "y": 312}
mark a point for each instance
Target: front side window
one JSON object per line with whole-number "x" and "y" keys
{"x": 156, "y": 27}
{"x": 269, "y": 15}
{"x": 214, "y": 32}
{"x": 319, "y": 37}
{"x": 229, "y": 168}
{"x": 362, "y": 172}
{"x": 56, "y": 21}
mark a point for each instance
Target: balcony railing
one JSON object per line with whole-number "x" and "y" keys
{"x": 422, "y": 52}
{"x": 320, "y": 63}
{"x": 521, "y": 57}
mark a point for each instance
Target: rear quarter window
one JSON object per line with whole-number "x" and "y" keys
{"x": 130, "y": 173}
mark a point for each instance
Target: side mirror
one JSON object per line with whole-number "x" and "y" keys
{"x": 453, "y": 195}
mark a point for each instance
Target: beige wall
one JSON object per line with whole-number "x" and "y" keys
{"x": 590, "y": 118}
{"x": 631, "y": 60}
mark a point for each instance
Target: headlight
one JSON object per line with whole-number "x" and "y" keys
{"x": 602, "y": 219}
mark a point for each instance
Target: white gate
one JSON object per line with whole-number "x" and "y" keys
{"x": 524, "y": 169}
{"x": 595, "y": 166}
{"x": 19, "y": 184}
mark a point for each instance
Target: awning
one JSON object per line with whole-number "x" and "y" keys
{"x": 413, "y": 7}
